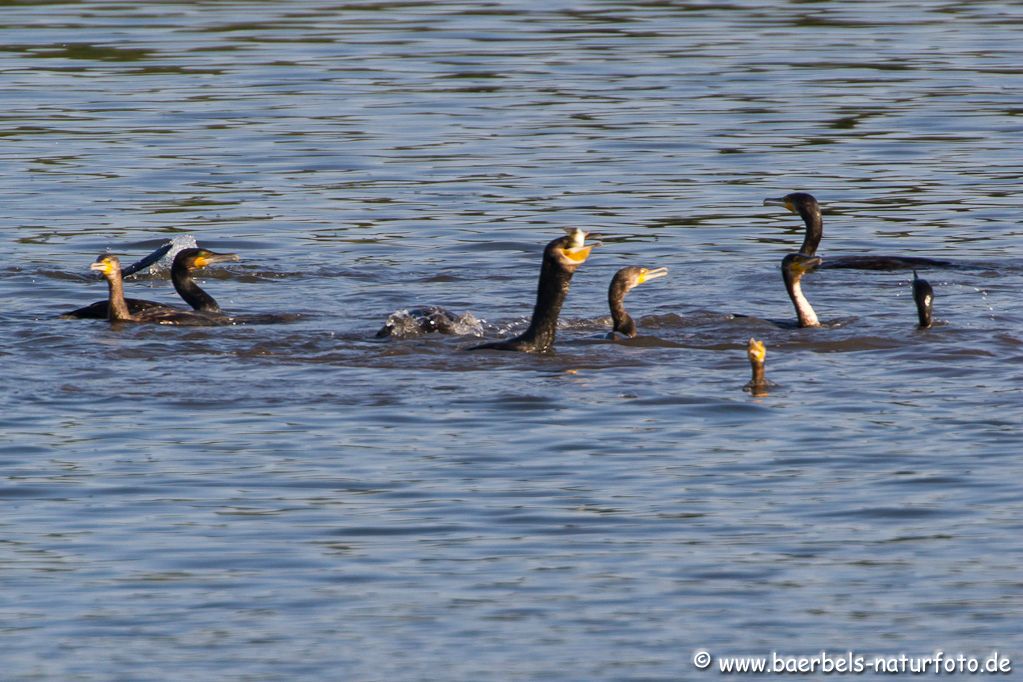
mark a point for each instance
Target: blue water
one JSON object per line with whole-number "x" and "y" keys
{"x": 304, "y": 501}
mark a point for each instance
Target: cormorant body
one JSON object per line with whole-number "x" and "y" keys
{"x": 425, "y": 320}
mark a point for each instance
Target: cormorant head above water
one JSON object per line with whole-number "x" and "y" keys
{"x": 757, "y": 353}
{"x": 793, "y": 267}
{"x": 810, "y": 211}
{"x": 185, "y": 262}
{"x": 110, "y": 267}
{"x": 923, "y": 296}
{"x": 191, "y": 259}
{"x": 624, "y": 281}
{"x": 568, "y": 252}
{"x": 561, "y": 258}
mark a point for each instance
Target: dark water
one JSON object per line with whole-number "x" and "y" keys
{"x": 303, "y": 501}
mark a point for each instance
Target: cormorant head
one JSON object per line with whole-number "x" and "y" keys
{"x": 107, "y": 265}
{"x": 795, "y": 265}
{"x": 797, "y": 202}
{"x": 634, "y": 275}
{"x": 810, "y": 211}
{"x": 196, "y": 258}
{"x": 756, "y": 351}
{"x": 923, "y": 296}
{"x": 570, "y": 251}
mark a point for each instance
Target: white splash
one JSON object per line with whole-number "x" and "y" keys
{"x": 405, "y": 323}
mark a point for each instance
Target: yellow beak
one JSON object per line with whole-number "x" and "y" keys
{"x": 756, "y": 350}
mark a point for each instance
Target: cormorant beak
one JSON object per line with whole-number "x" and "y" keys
{"x": 781, "y": 201}
{"x": 104, "y": 266}
{"x": 577, "y": 254}
{"x": 804, "y": 264}
{"x": 211, "y": 258}
{"x": 647, "y": 275}
{"x": 578, "y": 236}
{"x": 577, "y": 251}
{"x": 756, "y": 351}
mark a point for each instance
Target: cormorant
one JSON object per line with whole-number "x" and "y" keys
{"x": 793, "y": 267}
{"x": 561, "y": 258}
{"x": 110, "y": 267}
{"x": 923, "y": 296}
{"x": 185, "y": 262}
{"x": 426, "y": 320}
{"x": 809, "y": 210}
{"x": 623, "y": 281}
{"x": 757, "y": 352}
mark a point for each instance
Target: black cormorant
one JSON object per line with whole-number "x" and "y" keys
{"x": 809, "y": 210}
{"x": 793, "y": 267}
{"x": 623, "y": 281}
{"x": 426, "y": 320}
{"x": 110, "y": 267}
{"x": 185, "y": 262}
{"x": 561, "y": 258}
{"x": 923, "y": 296}
{"x": 757, "y": 353}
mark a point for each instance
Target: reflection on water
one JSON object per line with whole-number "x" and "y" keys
{"x": 267, "y": 501}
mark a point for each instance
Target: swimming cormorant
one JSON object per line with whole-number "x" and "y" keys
{"x": 623, "y": 281}
{"x": 110, "y": 267}
{"x": 185, "y": 262}
{"x": 923, "y": 296}
{"x": 757, "y": 353}
{"x": 426, "y": 320}
{"x": 809, "y": 210}
{"x": 561, "y": 258}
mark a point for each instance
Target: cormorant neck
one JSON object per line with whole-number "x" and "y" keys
{"x": 191, "y": 292}
{"x": 804, "y": 311}
{"x": 623, "y": 323}
{"x": 923, "y": 296}
{"x": 117, "y": 307}
{"x": 924, "y": 316}
{"x": 814, "y": 230}
{"x": 550, "y": 295}
{"x": 758, "y": 374}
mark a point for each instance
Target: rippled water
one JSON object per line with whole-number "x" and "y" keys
{"x": 305, "y": 501}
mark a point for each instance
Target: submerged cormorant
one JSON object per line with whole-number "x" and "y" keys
{"x": 425, "y": 320}
{"x": 757, "y": 353}
{"x": 561, "y": 258}
{"x": 110, "y": 267}
{"x": 793, "y": 267}
{"x": 185, "y": 262}
{"x": 923, "y": 296}
{"x": 809, "y": 210}
{"x": 623, "y": 281}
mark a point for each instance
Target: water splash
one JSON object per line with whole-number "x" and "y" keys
{"x": 163, "y": 266}
{"x": 405, "y": 323}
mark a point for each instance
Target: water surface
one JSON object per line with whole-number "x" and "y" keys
{"x": 303, "y": 500}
